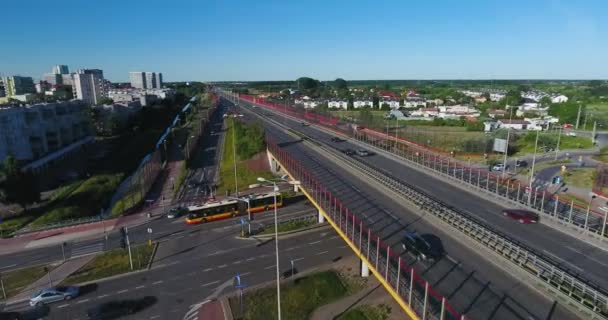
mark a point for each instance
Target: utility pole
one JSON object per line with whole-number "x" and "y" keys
{"x": 585, "y": 121}
{"x": 532, "y": 170}
{"x": 559, "y": 137}
{"x": 2, "y": 285}
{"x": 593, "y": 132}
{"x": 236, "y": 184}
{"x": 578, "y": 116}
{"x": 125, "y": 241}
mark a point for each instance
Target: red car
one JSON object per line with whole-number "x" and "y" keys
{"x": 523, "y": 216}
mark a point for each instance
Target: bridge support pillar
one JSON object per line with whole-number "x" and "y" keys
{"x": 364, "y": 269}
{"x": 321, "y": 217}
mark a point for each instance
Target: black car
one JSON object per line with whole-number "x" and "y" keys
{"x": 304, "y": 124}
{"x": 10, "y": 316}
{"x": 423, "y": 247}
{"x": 521, "y": 163}
{"x": 119, "y": 308}
{"x": 348, "y": 152}
{"x": 337, "y": 139}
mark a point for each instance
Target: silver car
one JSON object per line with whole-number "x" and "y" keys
{"x": 49, "y": 295}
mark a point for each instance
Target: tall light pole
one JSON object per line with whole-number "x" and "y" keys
{"x": 559, "y": 138}
{"x": 276, "y": 242}
{"x": 236, "y": 183}
{"x": 532, "y": 169}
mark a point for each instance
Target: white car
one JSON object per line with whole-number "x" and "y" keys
{"x": 498, "y": 167}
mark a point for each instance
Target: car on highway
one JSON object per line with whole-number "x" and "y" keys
{"x": 523, "y": 216}
{"x": 119, "y": 308}
{"x": 498, "y": 167}
{"x": 348, "y": 152}
{"x": 362, "y": 153}
{"x": 337, "y": 139}
{"x": 426, "y": 247}
{"x": 521, "y": 163}
{"x": 10, "y": 316}
{"x": 304, "y": 124}
{"x": 50, "y": 295}
{"x": 176, "y": 212}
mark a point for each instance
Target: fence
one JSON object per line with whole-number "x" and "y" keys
{"x": 133, "y": 189}
{"x": 398, "y": 277}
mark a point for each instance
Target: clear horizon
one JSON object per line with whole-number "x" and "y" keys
{"x": 273, "y": 40}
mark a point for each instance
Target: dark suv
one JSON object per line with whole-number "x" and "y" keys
{"x": 423, "y": 247}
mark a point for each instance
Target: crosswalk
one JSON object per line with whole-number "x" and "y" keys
{"x": 81, "y": 251}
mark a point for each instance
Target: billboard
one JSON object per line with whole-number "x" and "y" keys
{"x": 500, "y": 145}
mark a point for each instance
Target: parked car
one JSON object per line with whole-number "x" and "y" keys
{"x": 49, "y": 295}
{"x": 423, "y": 247}
{"x": 498, "y": 167}
{"x": 362, "y": 153}
{"x": 521, "y": 163}
{"x": 348, "y": 152}
{"x": 523, "y": 216}
{"x": 119, "y": 308}
{"x": 176, "y": 212}
{"x": 10, "y": 316}
{"x": 337, "y": 139}
{"x": 304, "y": 124}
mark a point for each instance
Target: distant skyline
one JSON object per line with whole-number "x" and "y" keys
{"x": 230, "y": 40}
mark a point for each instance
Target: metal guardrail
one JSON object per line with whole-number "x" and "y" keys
{"x": 514, "y": 192}
{"x": 579, "y": 290}
{"x": 63, "y": 224}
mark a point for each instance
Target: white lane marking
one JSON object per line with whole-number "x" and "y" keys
{"x": 270, "y": 267}
{"x": 562, "y": 260}
{"x": 154, "y": 317}
{"x": 122, "y": 291}
{"x": 290, "y": 249}
{"x": 102, "y": 296}
{"x": 244, "y": 274}
{"x": 322, "y": 252}
{"x": 249, "y": 259}
{"x": 342, "y": 247}
{"x": 237, "y": 262}
{"x": 297, "y": 259}
{"x": 139, "y": 287}
{"x": 314, "y": 242}
{"x": 179, "y": 237}
{"x": 157, "y": 282}
{"x": 9, "y": 266}
{"x": 210, "y": 283}
{"x": 222, "y": 266}
{"x": 82, "y": 301}
{"x": 208, "y": 269}
{"x": 62, "y": 306}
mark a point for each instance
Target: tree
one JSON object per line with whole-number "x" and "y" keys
{"x": 18, "y": 186}
{"x": 385, "y": 107}
{"x": 105, "y": 100}
{"x": 306, "y": 83}
{"x": 340, "y": 83}
{"x": 545, "y": 101}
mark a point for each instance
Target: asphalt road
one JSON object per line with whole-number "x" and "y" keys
{"x": 205, "y": 264}
{"x": 580, "y": 257}
{"x": 162, "y": 229}
{"x": 201, "y": 179}
{"x": 473, "y": 285}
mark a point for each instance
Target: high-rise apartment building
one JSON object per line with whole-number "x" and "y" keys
{"x": 53, "y": 78}
{"x": 16, "y": 85}
{"x": 146, "y": 80}
{"x": 89, "y": 86}
{"x": 159, "y": 80}
{"x": 61, "y": 69}
{"x": 138, "y": 80}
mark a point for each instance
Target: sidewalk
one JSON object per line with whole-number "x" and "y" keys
{"x": 56, "y": 276}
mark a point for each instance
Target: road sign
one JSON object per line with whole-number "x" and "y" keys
{"x": 149, "y": 230}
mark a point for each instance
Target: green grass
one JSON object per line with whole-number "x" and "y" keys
{"x": 17, "y": 280}
{"x": 543, "y": 165}
{"x": 602, "y": 156}
{"x": 366, "y": 312}
{"x": 245, "y": 176}
{"x": 526, "y": 142}
{"x": 11, "y": 225}
{"x": 568, "y": 198}
{"x": 290, "y": 226}
{"x": 299, "y": 298}
{"x": 85, "y": 201}
{"x": 64, "y": 191}
{"x": 112, "y": 263}
{"x": 580, "y": 177}
{"x": 125, "y": 203}
{"x": 181, "y": 177}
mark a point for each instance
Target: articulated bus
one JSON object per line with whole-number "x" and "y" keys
{"x": 218, "y": 210}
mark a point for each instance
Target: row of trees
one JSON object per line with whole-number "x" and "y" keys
{"x": 17, "y": 186}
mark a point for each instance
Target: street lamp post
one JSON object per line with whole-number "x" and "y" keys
{"x": 276, "y": 243}
{"x": 236, "y": 184}
{"x": 504, "y": 163}
{"x": 532, "y": 169}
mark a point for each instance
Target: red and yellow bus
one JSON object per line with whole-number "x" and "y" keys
{"x": 218, "y": 210}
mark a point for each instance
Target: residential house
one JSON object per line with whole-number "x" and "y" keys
{"x": 497, "y": 113}
{"x": 362, "y": 103}
{"x": 338, "y": 104}
{"x": 392, "y": 103}
{"x": 425, "y": 112}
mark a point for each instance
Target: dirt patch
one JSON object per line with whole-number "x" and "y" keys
{"x": 259, "y": 162}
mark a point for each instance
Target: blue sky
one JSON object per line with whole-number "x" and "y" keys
{"x": 285, "y": 39}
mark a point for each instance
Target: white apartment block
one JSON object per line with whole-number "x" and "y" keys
{"x": 393, "y": 104}
{"x": 338, "y": 104}
{"x": 146, "y": 80}
{"x": 138, "y": 80}
{"x": 362, "y": 104}
{"x": 150, "y": 80}
{"x": 89, "y": 86}
{"x": 34, "y": 131}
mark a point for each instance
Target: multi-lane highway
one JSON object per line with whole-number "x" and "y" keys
{"x": 474, "y": 286}
{"x": 200, "y": 261}
{"x": 581, "y": 257}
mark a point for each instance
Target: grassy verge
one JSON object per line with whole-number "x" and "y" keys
{"x": 112, "y": 263}
{"x": 299, "y": 298}
{"x": 543, "y": 165}
{"x": 11, "y": 225}
{"x": 379, "y": 312}
{"x": 290, "y": 226}
{"x": 602, "y": 156}
{"x": 245, "y": 176}
{"x": 17, "y": 280}
{"x": 526, "y": 142}
{"x": 580, "y": 177}
{"x": 568, "y": 198}
{"x": 181, "y": 177}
